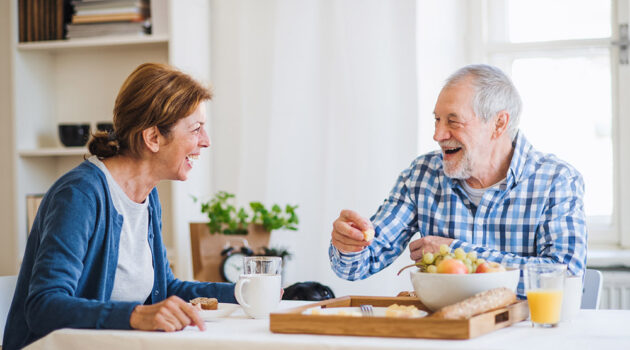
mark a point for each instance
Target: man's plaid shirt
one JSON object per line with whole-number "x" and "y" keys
{"x": 535, "y": 216}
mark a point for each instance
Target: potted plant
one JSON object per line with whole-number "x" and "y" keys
{"x": 230, "y": 225}
{"x": 225, "y": 218}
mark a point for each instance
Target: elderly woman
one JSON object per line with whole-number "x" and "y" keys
{"x": 95, "y": 257}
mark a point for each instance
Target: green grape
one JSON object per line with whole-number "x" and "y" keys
{"x": 472, "y": 256}
{"x": 480, "y": 261}
{"x": 444, "y": 249}
{"x": 467, "y": 261}
{"x": 460, "y": 254}
{"x": 447, "y": 257}
{"x": 431, "y": 269}
{"x": 427, "y": 258}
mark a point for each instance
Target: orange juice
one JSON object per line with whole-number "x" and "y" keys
{"x": 545, "y": 305}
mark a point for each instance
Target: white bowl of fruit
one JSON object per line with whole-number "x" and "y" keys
{"x": 448, "y": 277}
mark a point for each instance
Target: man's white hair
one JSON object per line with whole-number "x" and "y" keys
{"x": 494, "y": 92}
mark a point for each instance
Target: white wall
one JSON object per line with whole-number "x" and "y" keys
{"x": 444, "y": 45}
{"x": 258, "y": 48}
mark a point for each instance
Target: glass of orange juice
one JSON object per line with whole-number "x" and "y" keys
{"x": 544, "y": 285}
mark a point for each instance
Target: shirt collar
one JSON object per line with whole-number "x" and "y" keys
{"x": 517, "y": 164}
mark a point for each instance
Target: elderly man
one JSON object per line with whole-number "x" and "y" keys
{"x": 487, "y": 190}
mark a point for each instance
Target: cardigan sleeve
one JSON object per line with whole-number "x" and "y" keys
{"x": 67, "y": 226}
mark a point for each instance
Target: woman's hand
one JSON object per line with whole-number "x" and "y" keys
{"x": 172, "y": 314}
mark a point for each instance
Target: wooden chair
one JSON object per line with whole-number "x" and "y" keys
{"x": 7, "y": 288}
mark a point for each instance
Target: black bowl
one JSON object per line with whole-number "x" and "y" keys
{"x": 105, "y": 126}
{"x": 74, "y": 135}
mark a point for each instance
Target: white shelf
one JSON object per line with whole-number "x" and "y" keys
{"x": 96, "y": 42}
{"x": 54, "y": 152}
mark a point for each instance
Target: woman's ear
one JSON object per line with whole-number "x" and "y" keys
{"x": 501, "y": 123}
{"x": 151, "y": 137}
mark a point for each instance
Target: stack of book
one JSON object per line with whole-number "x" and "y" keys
{"x": 43, "y": 19}
{"x": 94, "y": 18}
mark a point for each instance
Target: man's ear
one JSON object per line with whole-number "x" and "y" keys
{"x": 151, "y": 137}
{"x": 501, "y": 122}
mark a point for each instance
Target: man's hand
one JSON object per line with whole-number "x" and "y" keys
{"x": 172, "y": 314}
{"x": 347, "y": 233}
{"x": 427, "y": 244}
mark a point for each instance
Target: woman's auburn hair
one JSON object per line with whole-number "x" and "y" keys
{"x": 157, "y": 95}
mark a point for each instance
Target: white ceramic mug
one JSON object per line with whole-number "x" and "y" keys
{"x": 258, "y": 289}
{"x": 572, "y": 298}
{"x": 258, "y": 294}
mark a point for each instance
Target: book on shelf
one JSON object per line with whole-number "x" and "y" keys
{"x": 42, "y": 19}
{"x": 109, "y": 17}
{"x": 32, "y": 205}
{"x": 107, "y": 29}
{"x": 48, "y": 19}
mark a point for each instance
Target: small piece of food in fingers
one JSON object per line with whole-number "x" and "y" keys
{"x": 368, "y": 235}
{"x": 205, "y": 303}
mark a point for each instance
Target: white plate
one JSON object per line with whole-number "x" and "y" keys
{"x": 353, "y": 311}
{"x": 223, "y": 310}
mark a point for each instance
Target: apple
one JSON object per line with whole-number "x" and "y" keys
{"x": 489, "y": 267}
{"x": 452, "y": 266}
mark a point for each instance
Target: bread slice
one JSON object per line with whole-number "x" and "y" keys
{"x": 477, "y": 304}
{"x": 205, "y": 303}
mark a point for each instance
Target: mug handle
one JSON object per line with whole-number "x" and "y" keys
{"x": 238, "y": 292}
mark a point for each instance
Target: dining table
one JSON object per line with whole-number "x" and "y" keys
{"x": 590, "y": 329}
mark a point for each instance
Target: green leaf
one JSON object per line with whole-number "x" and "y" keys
{"x": 225, "y": 217}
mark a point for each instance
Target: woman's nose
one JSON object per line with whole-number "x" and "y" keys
{"x": 204, "y": 139}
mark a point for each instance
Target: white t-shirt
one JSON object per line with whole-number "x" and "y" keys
{"x": 134, "y": 274}
{"x": 475, "y": 194}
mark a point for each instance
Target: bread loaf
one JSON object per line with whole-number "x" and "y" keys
{"x": 205, "y": 303}
{"x": 477, "y": 304}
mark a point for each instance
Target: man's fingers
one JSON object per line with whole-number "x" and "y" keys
{"x": 345, "y": 229}
{"x": 352, "y": 216}
{"x": 346, "y": 247}
{"x": 350, "y": 242}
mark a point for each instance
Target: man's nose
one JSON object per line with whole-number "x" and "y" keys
{"x": 441, "y": 133}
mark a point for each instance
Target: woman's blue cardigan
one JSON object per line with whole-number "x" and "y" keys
{"x": 67, "y": 273}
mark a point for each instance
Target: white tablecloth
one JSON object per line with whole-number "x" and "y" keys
{"x": 601, "y": 330}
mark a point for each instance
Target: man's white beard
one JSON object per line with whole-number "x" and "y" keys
{"x": 458, "y": 170}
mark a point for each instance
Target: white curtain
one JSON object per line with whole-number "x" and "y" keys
{"x": 315, "y": 104}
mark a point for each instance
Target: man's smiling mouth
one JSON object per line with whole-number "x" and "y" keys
{"x": 452, "y": 150}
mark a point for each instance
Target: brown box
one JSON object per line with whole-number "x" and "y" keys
{"x": 294, "y": 321}
{"x": 206, "y": 248}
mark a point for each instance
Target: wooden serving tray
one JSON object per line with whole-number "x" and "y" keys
{"x": 294, "y": 321}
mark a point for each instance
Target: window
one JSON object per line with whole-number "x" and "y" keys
{"x": 560, "y": 57}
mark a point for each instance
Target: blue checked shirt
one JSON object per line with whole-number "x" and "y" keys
{"x": 535, "y": 216}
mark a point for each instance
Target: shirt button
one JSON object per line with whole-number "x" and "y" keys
{"x": 156, "y": 292}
